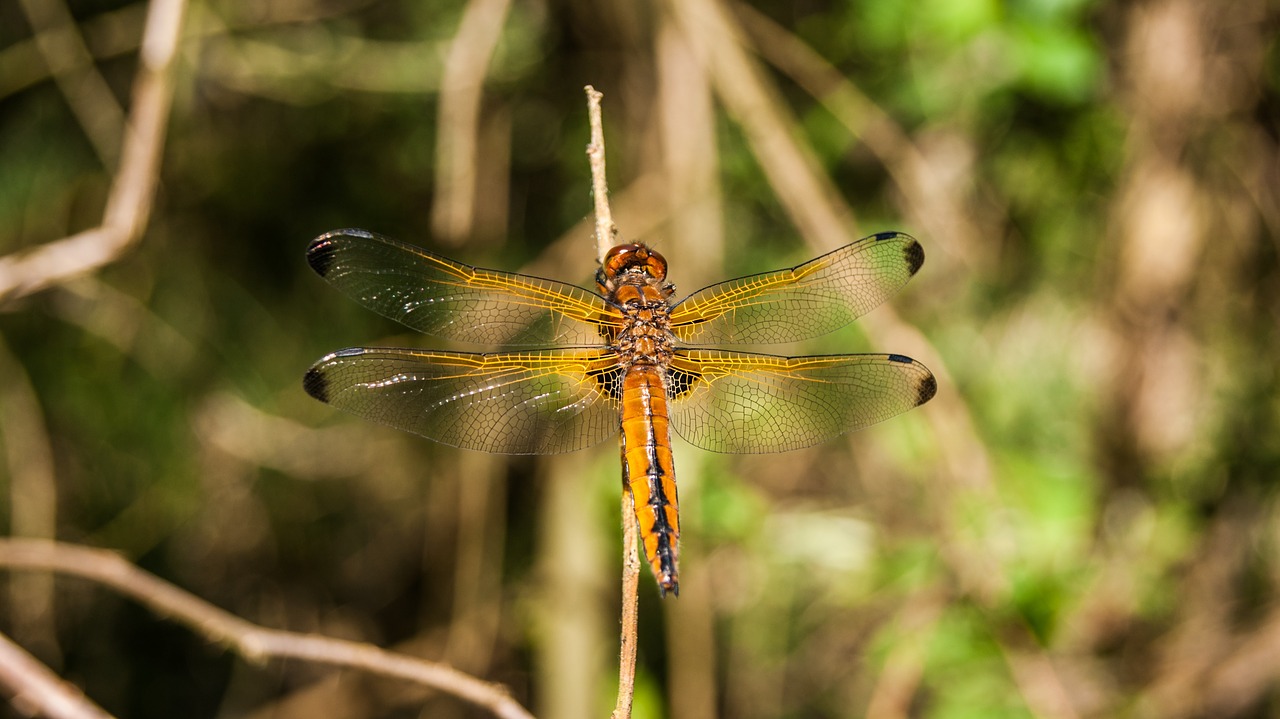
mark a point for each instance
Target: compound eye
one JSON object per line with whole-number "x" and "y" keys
{"x": 618, "y": 259}
{"x": 656, "y": 266}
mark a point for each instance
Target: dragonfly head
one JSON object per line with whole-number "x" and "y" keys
{"x": 634, "y": 258}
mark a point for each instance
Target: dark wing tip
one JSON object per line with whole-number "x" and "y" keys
{"x": 323, "y": 249}
{"x": 320, "y": 254}
{"x": 928, "y": 388}
{"x": 316, "y": 385}
{"x": 915, "y": 255}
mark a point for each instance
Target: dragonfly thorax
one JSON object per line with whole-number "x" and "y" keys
{"x": 645, "y": 336}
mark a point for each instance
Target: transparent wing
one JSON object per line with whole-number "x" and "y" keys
{"x": 752, "y": 403}
{"x": 438, "y": 296}
{"x": 518, "y": 403}
{"x": 822, "y": 295}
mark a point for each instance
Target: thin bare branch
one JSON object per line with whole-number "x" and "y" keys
{"x": 128, "y": 205}
{"x": 606, "y": 234}
{"x": 630, "y": 608}
{"x": 249, "y": 640}
{"x": 34, "y": 690}
{"x": 606, "y": 231}
{"x": 461, "y": 90}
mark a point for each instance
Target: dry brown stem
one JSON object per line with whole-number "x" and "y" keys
{"x": 606, "y": 232}
{"x": 249, "y": 640}
{"x": 630, "y": 609}
{"x": 33, "y": 690}
{"x": 128, "y": 205}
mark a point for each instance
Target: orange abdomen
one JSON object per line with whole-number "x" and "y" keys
{"x": 648, "y": 470}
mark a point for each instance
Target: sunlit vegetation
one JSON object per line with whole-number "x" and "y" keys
{"x": 1083, "y": 523}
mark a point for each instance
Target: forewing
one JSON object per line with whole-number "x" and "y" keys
{"x": 752, "y": 403}
{"x": 438, "y": 296}
{"x": 812, "y": 299}
{"x": 518, "y": 403}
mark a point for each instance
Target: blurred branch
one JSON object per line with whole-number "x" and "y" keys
{"x": 226, "y": 421}
{"x": 60, "y": 44}
{"x": 1204, "y": 666}
{"x": 792, "y": 169}
{"x": 1034, "y": 674}
{"x": 33, "y": 498}
{"x": 128, "y": 206}
{"x": 1244, "y": 676}
{"x": 274, "y": 69}
{"x": 461, "y": 92}
{"x": 823, "y": 217}
{"x": 34, "y": 690}
{"x": 119, "y": 32}
{"x": 690, "y": 158}
{"x": 250, "y": 641}
{"x": 105, "y": 35}
{"x": 930, "y": 199}
{"x": 477, "y": 586}
{"x": 817, "y": 210}
{"x": 900, "y": 678}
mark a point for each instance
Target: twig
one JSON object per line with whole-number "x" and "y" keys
{"x": 460, "y": 95}
{"x": 34, "y": 690}
{"x": 630, "y": 608}
{"x": 606, "y": 235}
{"x": 251, "y": 641}
{"x": 129, "y": 203}
{"x": 606, "y": 231}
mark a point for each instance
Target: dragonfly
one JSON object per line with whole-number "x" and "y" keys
{"x": 579, "y": 367}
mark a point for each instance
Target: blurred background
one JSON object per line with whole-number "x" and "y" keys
{"x": 1083, "y": 522}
